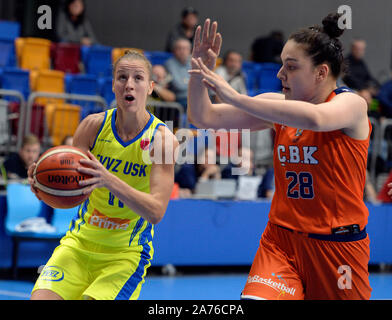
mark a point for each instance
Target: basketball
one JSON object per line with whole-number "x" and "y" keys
{"x": 56, "y": 178}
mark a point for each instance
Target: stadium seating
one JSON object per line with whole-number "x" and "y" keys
{"x": 7, "y": 53}
{"x": 119, "y": 52}
{"x": 85, "y": 84}
{"x": 157, "y": 57}
{"x": 15, "y": 79}
{"x": 62, "y": 121}
{"x": 97, "y": 60}
{"x": 66, "y": 57}
{"x": 33, "y": 53}
{"x": 267, "y": 78}
{"x": 9, "y": 30}
{"x": 47, "y": 81}
{"x": 251, "y": 71}
{"x": 105, "y": 89}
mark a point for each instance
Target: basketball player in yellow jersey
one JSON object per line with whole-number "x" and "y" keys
{"x": 108, "y": 248}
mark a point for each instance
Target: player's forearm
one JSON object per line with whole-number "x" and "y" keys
{"x": 142, "y": 203}
{"x": 200, "y": 108}
{"x": 297, "y": 114}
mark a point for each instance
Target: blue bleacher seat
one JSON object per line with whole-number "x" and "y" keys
{"x": 9, "y": 30}
{"x": 105, "y": 89}
{"x": 267, "y": 78}
{"x": 7, "y": 53}
{"x": 97, "y": 60}
{"x": 86, "y": 84}
{"x": 251, "y": 69}
{"x": 16, "y": 79}
{"x": 22, "y": 204}
{"x": 157, "y": 57}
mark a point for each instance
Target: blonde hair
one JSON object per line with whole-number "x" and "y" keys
{"x": 134, "y": 55}
{"x": 29, "y": 140}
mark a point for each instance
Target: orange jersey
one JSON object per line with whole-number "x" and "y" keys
{"x": 319, "y": 179}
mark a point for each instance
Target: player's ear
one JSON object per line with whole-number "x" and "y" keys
{"x": 322, "y": 72}
{"x": 151, "y": 88}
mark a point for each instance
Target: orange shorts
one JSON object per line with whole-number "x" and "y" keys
{"x": 292, "y": 266}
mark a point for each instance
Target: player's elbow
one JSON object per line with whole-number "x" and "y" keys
{"x": 156, "y": 217}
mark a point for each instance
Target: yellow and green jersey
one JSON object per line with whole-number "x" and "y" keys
{"x": 103, "y": 219}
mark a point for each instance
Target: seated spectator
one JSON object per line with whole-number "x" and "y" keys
{"x": 184, "y": 29}
{"x": 383, "y": 195}
{"x": 189, "y": 174}
{"x": 358, "y": 76}
{"x": 385, "y": 99}
{"x": 16, "y": 165}
{"x": 161, "y": 84}
{"x": 267, "y": 187}
{"x": 73, "y": 26}
{"x": 178, "y": 66}
{"x": 246, "y": 157}
{"x": 67, "y": 141}
{"x": 267, "y": 49}
{"x": 231, "y": 71}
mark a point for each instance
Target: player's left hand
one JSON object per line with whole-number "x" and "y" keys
{"x": 100, "y": 175}
{"x": 214, "y": 82}
{"x": 390, "y": 189}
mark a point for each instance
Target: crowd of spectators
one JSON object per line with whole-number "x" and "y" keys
{"x": 171, "y": 85}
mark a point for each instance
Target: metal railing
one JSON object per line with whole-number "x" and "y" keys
{"x": 66, "y": 96}
{"x": 11, "y": 146}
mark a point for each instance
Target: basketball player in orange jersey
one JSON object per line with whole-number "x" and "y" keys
{"x": 315, "y": 245}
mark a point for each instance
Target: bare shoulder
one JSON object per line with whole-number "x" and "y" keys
{"x": 165, "y": 144}
{"x": 87, "y": 130}
{"x": 167, "y": 135}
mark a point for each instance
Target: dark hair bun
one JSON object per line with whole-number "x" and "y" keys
{"x": 331, "y": 27}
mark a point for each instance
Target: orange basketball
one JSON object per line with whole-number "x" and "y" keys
{"x": 57, "y": 179}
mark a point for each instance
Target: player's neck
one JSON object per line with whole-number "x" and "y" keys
{"x": 323, "y": 93}
{"x": 129, "y": 124}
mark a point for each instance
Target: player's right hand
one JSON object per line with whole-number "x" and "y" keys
{"x": 207, "y": 44}
{"x": 30, "y": 179}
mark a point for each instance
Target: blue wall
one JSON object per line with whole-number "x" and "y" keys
{"x": 205, "y": 232}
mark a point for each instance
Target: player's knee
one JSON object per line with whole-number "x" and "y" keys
{"x": 44, "y": 294}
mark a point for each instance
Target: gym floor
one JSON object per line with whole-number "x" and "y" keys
{"x": 215, "y": 286}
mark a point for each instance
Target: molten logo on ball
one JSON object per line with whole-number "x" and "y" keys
{"x": 64, "y": 179}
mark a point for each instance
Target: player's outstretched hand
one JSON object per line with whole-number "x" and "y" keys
{"x": 207, "y": 44}
{"x": 214, "y": 82}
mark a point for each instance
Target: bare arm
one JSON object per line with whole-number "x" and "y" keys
{"x": 201, "y": 112}
{"x": 150, "y": 206}
{"x": 87, "y": 131}
{"x": 346, "y": 111}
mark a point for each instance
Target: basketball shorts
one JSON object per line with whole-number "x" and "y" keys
{"x": 294, "y": 266}
{"x": 81, "y": 270}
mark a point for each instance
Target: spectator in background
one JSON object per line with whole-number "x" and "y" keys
{"x": 185, "y": 29}
{"x": 67, "y": 141}
{"x": 161, "y": 84}
{"x": 267, "y": 187}
{"x": 267, "y": 49}
{"x": 204, "y": 169}
{"x": 73, "y": 26}
{"x": 231, "y": 71}
{"x": 246, "y": 157}
{"x": 358, "y": 76}
{"x": 16, "y": 165}
{"x": 385, "y": 194}
{"x": 385, "y": 99}
{"x": 178, "y": 66}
